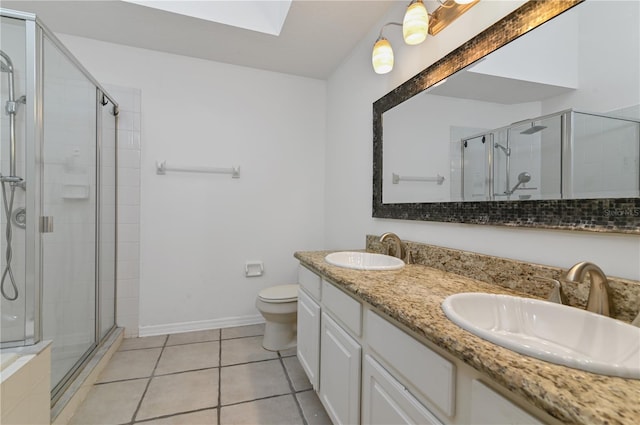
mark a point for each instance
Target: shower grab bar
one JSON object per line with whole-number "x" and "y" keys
{"x": 395, "y": 178}
{"x": 162, "y": 168}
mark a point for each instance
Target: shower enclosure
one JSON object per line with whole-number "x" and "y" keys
{"x": 58, "y": 215}
{"x": 565, "y": 155}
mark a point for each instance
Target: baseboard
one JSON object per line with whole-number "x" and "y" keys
{"x": 201, "y": 325}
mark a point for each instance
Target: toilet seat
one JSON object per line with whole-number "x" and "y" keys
{"x": 279, "y": 294}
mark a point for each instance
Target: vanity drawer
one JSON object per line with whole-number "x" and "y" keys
{"x": 432, "y": 376}
{"x": 309, "y": 281}
{"x": 489, "y": 407}
{"x": 344, "y": 308}
{"x": 386, "y": 401}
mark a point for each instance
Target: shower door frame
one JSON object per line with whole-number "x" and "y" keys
{"x": 35, "y": 32}
{"x": 33, "y": 139}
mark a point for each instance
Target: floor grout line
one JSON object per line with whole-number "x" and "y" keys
{"x": 190, "y": 370}
{"x": 121, "y": 380}
{"x": 138, "y": 349}
{"x": 154, "y": 374}
{"x": 293, "y": 390}
{"x": 144, "y": 393}
{"x": 246, "y": 363}
{"x": 170, "y": 415}
{"x": 220, "y": 339}
{"x": 257, "y": 399}
{"x": 160, "y": 375}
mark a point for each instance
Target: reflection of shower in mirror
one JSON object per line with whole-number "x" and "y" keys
{"x": 506, "y": 151}
{"x": 523, "y": 177}
{"x": 533, "y": 129}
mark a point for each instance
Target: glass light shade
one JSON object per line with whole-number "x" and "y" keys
{"x": 464, "y": 1}
{"x": 415, "y": 24}
{"x": 382, "y": 56}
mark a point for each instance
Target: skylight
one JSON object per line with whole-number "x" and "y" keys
{"x": 266, "y": 16}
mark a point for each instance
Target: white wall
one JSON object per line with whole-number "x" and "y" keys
{"x": 197, "y": 230}
{"x": 607, "y": 54}
{"x": 351, "y": 91}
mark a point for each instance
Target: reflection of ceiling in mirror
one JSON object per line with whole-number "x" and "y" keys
{"x": 542, "y": 65}
{"x": 494, "y": 89}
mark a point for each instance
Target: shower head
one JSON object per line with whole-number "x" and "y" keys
{"x": 523, "y": 177}
{"x": 533, "y": 129}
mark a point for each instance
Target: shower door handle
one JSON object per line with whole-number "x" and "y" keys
{"x": 46, "y": 224}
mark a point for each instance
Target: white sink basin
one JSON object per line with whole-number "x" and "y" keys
{"x": 364, "y": 261}
{"x": 556, "y": 333}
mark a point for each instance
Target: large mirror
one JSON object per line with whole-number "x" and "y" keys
{"x": 540, "y": 129}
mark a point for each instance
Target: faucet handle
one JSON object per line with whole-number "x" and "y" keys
{"x": 557, "y": 294}
{"x": 408, "y": 256}
{"x": 399, "y": 247}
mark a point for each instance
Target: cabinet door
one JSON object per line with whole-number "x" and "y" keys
{"x": 309, "y": 337}
{"x": 340, "y": 378}
{"x": 385, "y": 401}
{"x": 432, "y": 377}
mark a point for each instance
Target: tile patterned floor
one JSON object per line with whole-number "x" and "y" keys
{"x": 221, "y": 376}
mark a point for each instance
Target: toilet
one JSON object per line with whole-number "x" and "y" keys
{"x": 279, "y": 307}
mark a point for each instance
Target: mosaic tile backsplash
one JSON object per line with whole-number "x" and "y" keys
{"x": 523, "y": 277}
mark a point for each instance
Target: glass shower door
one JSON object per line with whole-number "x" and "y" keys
{"x": 68, "y": 199}
{"x": 475, "y": 169}
{"x": 534, "y": 161}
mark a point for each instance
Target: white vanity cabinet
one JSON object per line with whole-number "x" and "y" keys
{"x": 340, "y": 355}
{"x": 308, "y": 344}
{"x": 428, "y": 376}
{"x": 385, "y": 401}
{"x": 340, "y": 377}
{"x": 367, "y": 369}
{"x": 488, "y": 408}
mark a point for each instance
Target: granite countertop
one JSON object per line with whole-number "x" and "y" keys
{"x": 413, "y": 296}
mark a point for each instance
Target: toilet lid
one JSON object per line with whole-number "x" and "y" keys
{"x": 279, "y": 294}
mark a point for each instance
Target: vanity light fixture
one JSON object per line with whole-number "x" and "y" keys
{"x": 382, "y": 56}
{"x": 417, "y": 23}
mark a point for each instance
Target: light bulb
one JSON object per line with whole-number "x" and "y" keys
{"x": 416, "y": 23}
{"x": 382, "y": 56}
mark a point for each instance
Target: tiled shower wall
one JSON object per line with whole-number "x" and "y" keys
{"x": 128, "y": 259}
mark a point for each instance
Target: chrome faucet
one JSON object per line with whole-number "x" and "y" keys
{"x": 399, "y": 249}
{"x": 599, "y": 300}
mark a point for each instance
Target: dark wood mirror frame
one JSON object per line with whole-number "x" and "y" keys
{"x": 620, "y": 215}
